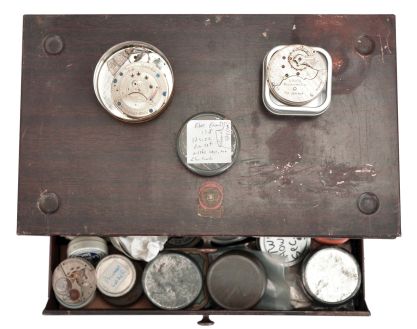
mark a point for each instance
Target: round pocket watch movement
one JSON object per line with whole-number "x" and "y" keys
{"x": 74, "y": 283}
{"x": 297, "y": 80}
{"x": 133, "y": 81}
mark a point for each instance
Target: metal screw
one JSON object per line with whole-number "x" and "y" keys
{"x": 368, "y": 203}
{"x": 205, "y": 321}
{"x": 53, "y": 44}
{"x": 364, "y": 45}
{"x": 48, "y": 202}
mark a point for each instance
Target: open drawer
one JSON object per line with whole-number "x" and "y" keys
{"x": 357, "y": 306}
{"x": 84, "y": 173}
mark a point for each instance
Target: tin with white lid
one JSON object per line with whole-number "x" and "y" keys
{"x": 134, "y": 81}
{"x": 91, "y": 248}
{"x": 116, "y": 275}
{"x": 331, "y": 276}
{"x": 74, "y": 283}
{"x": 208, "y": 144}
{"x": 291, "y": 249}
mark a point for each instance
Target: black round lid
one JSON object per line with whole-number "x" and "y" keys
{"x": 236, "y": 280}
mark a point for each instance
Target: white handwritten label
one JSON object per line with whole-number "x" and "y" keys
{"x": 209, "y": 141}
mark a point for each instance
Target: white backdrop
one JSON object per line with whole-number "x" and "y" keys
{"x": 390, "y": 265}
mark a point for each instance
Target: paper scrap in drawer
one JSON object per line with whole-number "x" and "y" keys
{"x": 209, "y": 141}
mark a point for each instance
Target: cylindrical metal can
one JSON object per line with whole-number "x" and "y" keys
{"x": 133, "y": 81}
{"x": 331, "y": 276}
{"x": 331, "y": 241}
{"x": 183, "y": 242}
{"x": 291, "y": 249}
{"x": 208, "y": 144}
{"x": 226, "y": 240}
{"x": 91, "y": 248}
{"x": 119, "y": 280}
{"x": 74, "y": 282}
{"x": 172, "y": 281}
{"x": 236, "y": 280}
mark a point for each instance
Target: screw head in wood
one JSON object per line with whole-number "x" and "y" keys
{"x": 364, "y": 45}
{"x": 53, "y": 44}
{"x": 48, "y": 202}
{"x": 368, "y": 203}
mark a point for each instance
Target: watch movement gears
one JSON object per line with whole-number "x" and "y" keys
{"x": 296, "y": 74}
{"x": 74, "y": 283}
{"x": 134, "y": 81}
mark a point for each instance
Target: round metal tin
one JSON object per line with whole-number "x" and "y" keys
{"x": 74, "y": 283}
{"x": 172, "y": 281}
{"x": 207, "y": 169}
{"x": 132, "y": 295}
{"x": 236, "y": 280}
{"x": 331, "y": 241}
{"x": 183, "y": 242}
{"x": 296, "y": 74}
{"x": 331, "y": 276}
{"x": 292, "y": 249}
{"x": 116, "y": 275}
{"x": 133, "y": 81}
{"x": 91, "y": 248}
{"x": 226, "y": 240}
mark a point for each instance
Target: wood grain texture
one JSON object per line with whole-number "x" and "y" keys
{"x": 294, "y": 176}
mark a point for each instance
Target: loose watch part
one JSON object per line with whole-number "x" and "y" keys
{"x": 133, "y": 81}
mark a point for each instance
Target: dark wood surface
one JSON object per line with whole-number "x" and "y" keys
{"x": 294, "y": 176}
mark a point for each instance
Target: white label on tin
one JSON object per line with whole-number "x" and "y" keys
{"x": 209, "y": 141}
{"x": 292, "y": 249}
{"x": 114, "y": 277}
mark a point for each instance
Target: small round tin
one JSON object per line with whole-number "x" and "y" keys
{"x": 331, "y": 241}
{"x": 133, "y": 81}
{"x": 291, "y": 249}
{"x": 331, "y": 276}
{"x": 236, "y": 280}
{"x": 74, "y": 283}
{"x": 208, "y": 144}
{"x": 116, "y": 275}
{"x": 91, "y": 248}
{"x": 226, "y": 240}
{"x": 172, "y": 281}
{"x": 183, "y": 242}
